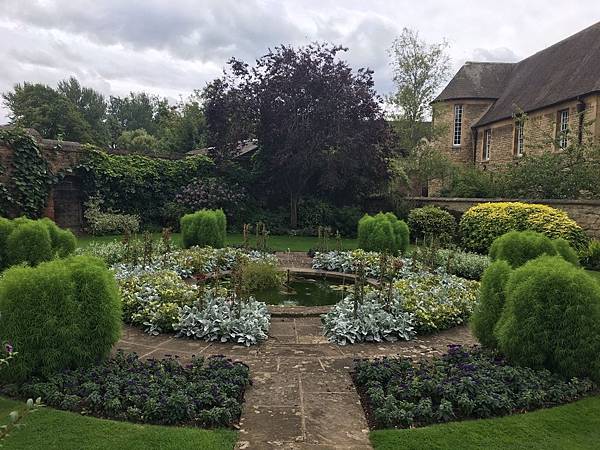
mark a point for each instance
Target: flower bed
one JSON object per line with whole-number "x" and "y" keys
{"x": 205, "y": 393}
{"x": 463, "y": 384}
{"x": 349, "y": 261}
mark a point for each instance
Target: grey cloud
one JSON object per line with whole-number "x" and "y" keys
{"x": 500, "y": 54}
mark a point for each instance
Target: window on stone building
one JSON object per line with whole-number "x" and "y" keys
{"x": 487, "y": 144}
{"x": 563, "y": 128}
{"x": 519, "y": 138}
{"x": 458, "y": 112}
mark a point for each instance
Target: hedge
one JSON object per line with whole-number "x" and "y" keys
{"x": 383, "y": 232}
{"x": 204, "y": 228}
{"x": 62, "y": 314}
{"x": 483, "y": 223}
{"x": 550, "y": 319}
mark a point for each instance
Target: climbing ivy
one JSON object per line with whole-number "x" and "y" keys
{"x": 27, "y": 189}
{"x": 137, "y": 184}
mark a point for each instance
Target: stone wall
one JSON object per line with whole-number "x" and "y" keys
{"x": 585, "y": 212}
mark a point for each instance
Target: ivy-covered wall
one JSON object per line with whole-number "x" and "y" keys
{"x": 37, "y": 174}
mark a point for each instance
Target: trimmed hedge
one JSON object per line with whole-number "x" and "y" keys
{"x": 483, "y": 223}
{"x": 206, "y": 227}
{"x": 62, "y": 314}
{"x": 431, "y": 222}
{"x": 23, "y": 240}
{"x": 491, "y": 302}
{"x": 518, "y": 247}
{"x": 383, "y": 232}
{"x": 551, "y": 318}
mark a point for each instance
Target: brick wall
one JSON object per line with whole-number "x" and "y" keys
{"x": 585, "y": 212}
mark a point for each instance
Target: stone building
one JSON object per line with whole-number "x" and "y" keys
{"x": 490, "y": 114}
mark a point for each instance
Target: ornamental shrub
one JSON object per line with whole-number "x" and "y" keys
{"x": 260, "y": 275}
{"x": 29, "y": 243}
{"x": 383, "y": 232}
{"x": 204, "y": 227}
{"x": 32, "y": 241}
{"x": 62, "y": 314}
{"x": 518, "y": 247}
{"x": 551, "y": 318}
{"x": 564, "y": 249}
{"x": 491, "y": 303}
{"x": 431, "y": 222}
{"x": 483, "y": 223}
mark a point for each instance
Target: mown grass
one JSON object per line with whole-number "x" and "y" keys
{"x": 575, "y": 427}
{"x": 50, "y": 429}
{"x": 275, "y": 243}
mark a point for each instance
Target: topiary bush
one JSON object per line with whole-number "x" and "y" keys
{"x": 23, "y": 240}
{"x": 383, "y": 232}
{"x": 62, "y": 314}
{"x": 431, "y": 222}
{"x": 491, "y": 302}
{"x": 204, "y": 227}
{"x": 518, "y": 247}
{"x": 29, "y": 243}
{"x": 564, "y": 249}
{"x": 483, "y": 223}
{"x": 551, "y": 318}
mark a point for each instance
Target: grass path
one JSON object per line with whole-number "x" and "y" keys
{"x": 575, "y": 427}
{"x": 50, "y": 429}
{"x": 276, "y": 243}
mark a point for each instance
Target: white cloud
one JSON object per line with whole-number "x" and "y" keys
{"x": 171, "y": 47}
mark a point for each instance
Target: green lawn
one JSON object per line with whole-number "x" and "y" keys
{"x": 51, "y": 429}
{"x": 575, "y": 427}
{"x": 276, "y": 243}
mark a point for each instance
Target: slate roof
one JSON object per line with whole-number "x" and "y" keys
{"x": 564, "y": 71}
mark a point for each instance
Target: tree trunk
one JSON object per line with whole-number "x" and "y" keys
{"x": 293, "y": 211}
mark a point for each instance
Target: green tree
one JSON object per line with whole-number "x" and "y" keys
{"x": 419, "y": 70}
{"x": 53, "y": 115}
{"x": 90, "y": 103}
{"x": 138, "y": 141}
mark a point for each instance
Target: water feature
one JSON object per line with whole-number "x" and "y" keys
{"x": 304, "y": 292}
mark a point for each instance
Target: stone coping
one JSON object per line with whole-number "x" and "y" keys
{"x": 498, "y": 199}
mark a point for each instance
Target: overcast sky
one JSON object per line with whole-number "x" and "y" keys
{"x": 171, "y": 47}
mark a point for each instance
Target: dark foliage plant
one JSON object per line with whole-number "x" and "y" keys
{"x": 590, "y": 258}
{"x": 212, "y": 193}
{"x": 551, "y": 318}
{"x": 205, "y": 393}
{"x": 61, "y": 314}
{"x": 462, "y": 384}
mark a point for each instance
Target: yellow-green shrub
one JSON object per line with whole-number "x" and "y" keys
{"x": 483, "y": 223}
{"x": 383, "y": 232}
{"x": 204, "y": 227}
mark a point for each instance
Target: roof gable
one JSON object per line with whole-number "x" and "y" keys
{"x": 482, "y": 80}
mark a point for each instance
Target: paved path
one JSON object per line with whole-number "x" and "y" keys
{"x": 302, "y": 396}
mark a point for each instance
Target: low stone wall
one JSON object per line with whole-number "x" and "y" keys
{"x": 585, "y": 212}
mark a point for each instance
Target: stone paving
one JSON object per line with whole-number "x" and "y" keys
{"x": 302, "y": 395}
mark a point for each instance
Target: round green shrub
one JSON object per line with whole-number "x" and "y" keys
{"x": 518, "y": 247}
{"x": 551, "y": 318}
{"x": 63, "y": 241}
{"x": 383, "y": 232}
{"x": 431, "y": 222}
{"x": 62, "y": 314}
{"x": 564, "y": 249}
{"x": 204, "y": 227}
{"x": 29, "y": 243}
{"x": 481, "y": 224}
{"x": 491, "y": 302}
{"x": 259, "y": 275}
{"x": 591, "y": 256}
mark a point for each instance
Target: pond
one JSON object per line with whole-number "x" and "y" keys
{"x": 304, "y": 292}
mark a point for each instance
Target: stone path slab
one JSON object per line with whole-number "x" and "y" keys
{"x": 302, "y": 397}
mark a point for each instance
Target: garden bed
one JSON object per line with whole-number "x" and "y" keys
{"x": 462, "y": 384}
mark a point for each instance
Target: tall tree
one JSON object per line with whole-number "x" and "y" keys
{"x": 137, "y": 111}
{"x": 53, "y": 115}
{"x": 319, "y": 124}
{"x": 419, "y": 70}
{"x": 90, "y": 103}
